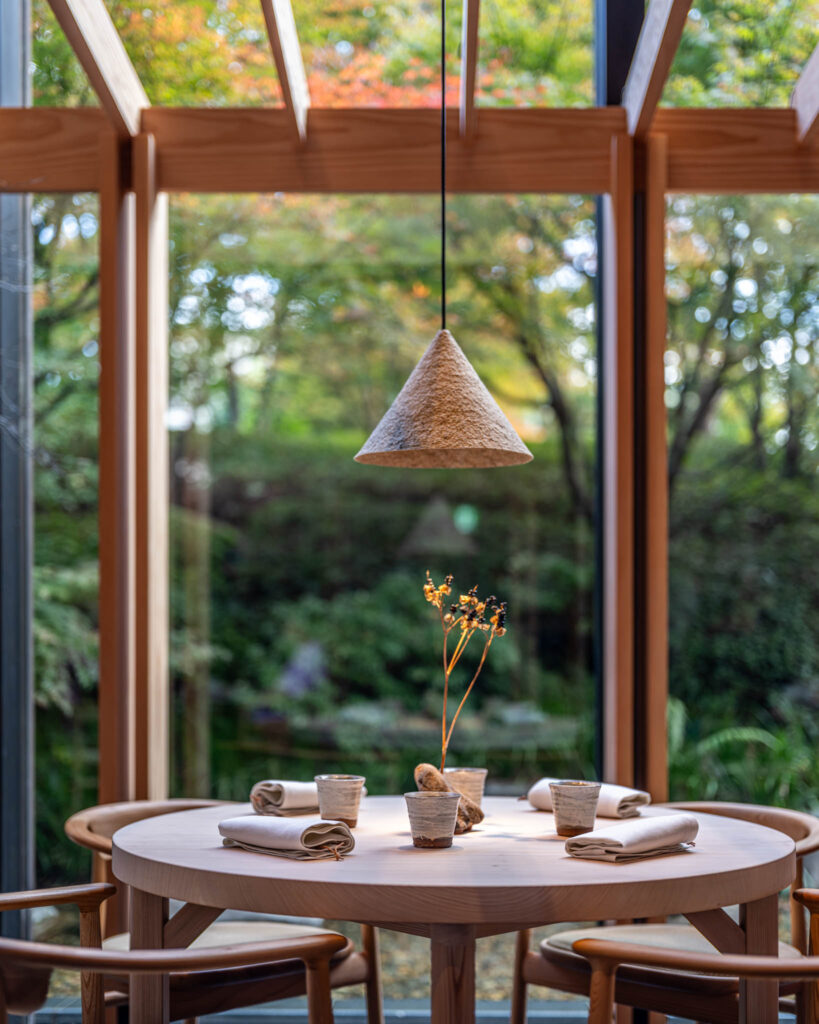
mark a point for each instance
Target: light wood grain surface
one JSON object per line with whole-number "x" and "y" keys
{"x": 512, "y": 869}
{"x": 361, "y": 150}
{"x": 659, "y": 39}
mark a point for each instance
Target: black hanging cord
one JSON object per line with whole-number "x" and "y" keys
{"x": 443, "y": 164}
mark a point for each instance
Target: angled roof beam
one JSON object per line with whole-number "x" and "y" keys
{"x": 469, "y": 63}
{"x": 659, "y": 38}
{"x": 805, "y": 101}
{"x": 284, "y": 42}
{"x": 96, "y": 42}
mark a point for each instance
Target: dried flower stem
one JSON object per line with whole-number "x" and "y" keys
{"x": 486, "y": 647}
{"x": 469, "y": 613}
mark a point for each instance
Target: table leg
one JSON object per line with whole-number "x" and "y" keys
{"x": 758, "y": 1000}
{"x": 148, "y": 992}
{"x": 453, "y": 974}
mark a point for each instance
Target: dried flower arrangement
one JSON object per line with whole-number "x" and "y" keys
{"x": 469, "y": 615}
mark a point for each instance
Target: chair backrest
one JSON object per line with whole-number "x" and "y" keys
{"x": 18, "y": 959}
{"x": 803, "y": 828}
{"x": 605, "y": 956}
{"x": 94, "y": 826}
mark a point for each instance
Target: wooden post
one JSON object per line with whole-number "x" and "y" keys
{"x": 652, "y": 486}
{"x": 617, "y": 430}
{"x": 469, "y": 66}
{"x": 151, "y": 528}
{"x": 116, "y": 479}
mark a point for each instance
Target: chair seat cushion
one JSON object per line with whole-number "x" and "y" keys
{"x": 682, "y": 937}
{"x": 232, "y": 933}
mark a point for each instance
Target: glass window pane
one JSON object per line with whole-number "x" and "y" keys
{"x": 208, "y": 53}
{"x": 57, "y": 77}
{"x": 536, "y": 54}
{"x": 742, "y": 382}
{"x": 66, "y": 370}
{"x": 741, "y": 53}
{"x": 301, "y": 638}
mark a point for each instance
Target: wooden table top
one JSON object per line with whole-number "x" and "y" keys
{"x": 511, "y": 869}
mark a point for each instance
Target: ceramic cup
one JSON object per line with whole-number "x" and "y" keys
{"x": 468, "y": 781}
{"x": 432, "y": 818}
{"x": 574, "y": 804}
{"x": 339, "y": 797}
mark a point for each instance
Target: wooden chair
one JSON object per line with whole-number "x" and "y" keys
{"x": 25, "y": 967}
{"x": 192, "y": 996}
{"x": 610, "y": 960}
{"x": 708, "y": 999}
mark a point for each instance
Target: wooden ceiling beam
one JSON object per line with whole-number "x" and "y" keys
{"x": 46, "y": 149}
{"x": 96, "y": 42}
{"x": 805, "y": 101}
{"x": 736, "y": 151}
{"x": 469, "y": 65}
{"x": 284, "y": 42}
{"x": 382, "y": 150}
{"x": 51, "y": 149}
{"x": 659, "y": 38}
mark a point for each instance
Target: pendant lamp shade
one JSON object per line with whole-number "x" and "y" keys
{"x": 444, "y": 418}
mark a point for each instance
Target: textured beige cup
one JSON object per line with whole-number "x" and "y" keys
{"x": 339, "y": 797}
{"x": 432, "y": 816}
{"x": 574, "y": 804}
{"x": 468, "y": 781}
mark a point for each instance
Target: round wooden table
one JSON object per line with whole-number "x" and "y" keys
{"x": 509, "y": 873}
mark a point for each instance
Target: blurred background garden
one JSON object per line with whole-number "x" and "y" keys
{"x": 300, "y": 636}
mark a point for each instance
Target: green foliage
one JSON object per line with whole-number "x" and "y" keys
{"x": 775, "y": 764}
{"x": 741, "y": 53}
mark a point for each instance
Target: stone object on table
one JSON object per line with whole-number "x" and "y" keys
{"x": 427, "y": 777}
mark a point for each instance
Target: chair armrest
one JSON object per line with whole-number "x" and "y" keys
{"x": 88, "y": 897}
{"x": 808, "y": 898}
{"x": 310, "y": 949}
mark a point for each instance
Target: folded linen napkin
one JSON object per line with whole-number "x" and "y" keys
{"x": 632, "y": 840}
{"x": 297, "y": 840}
{"x": 284, "y": 798}
{"x": 613, "y": 802}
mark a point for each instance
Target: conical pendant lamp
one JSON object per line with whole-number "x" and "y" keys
{"x": 444, "y": 416}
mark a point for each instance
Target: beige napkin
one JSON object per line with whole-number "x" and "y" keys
{"x": 284, "y": 798}
{"x": 632, "y": 840}
{"x": 297, "y": 840}
{"x": 613, "y": 802}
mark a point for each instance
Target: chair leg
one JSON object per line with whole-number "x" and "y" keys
{"x": 319, "y": 1000}
{"x": 93, "y": 1000}
{"x": 518, "y": 1012}
{"x": 601, "y": 993}
{"x": 374, "y": 993}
